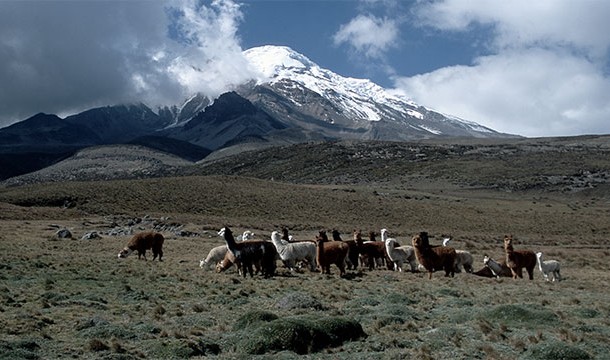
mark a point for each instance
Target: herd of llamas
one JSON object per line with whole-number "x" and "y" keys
{"x": 252, "y": 256}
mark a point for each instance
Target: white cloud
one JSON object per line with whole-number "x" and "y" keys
{"x": 533, "y": 93}
{"x": 368, "y": 35}
{"x": 213, "y": 62}
{"x": 545, "y": 72}
{"x": 520, "y": 23}
{"x": 62, "y": 57}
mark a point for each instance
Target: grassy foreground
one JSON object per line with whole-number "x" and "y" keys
{"x": 73, "y": 298}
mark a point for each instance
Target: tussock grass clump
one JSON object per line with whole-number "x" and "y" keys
{"x": 555, "y": 350}
{"x": 299, "y": 300}
{"x": 182, "y": 349}
{"x": 396, "y": 298}
{"x": 587, "y": 313}
{"x": 253, "y": 319}
{"x": 21, "y": 349}
{"x": 97, "y": 345}
{"x": 302, "y": 335}
{"x": 382, "y": 321}
{"x": 528, "y": 315}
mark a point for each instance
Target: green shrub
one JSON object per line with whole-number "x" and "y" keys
{"x": 587, "y": 313}
{"x": 302, "y": 335}
{"x": 298, "y": 300}
{"x": 555, "y": 351}
{"x": 385, "y": 320}
{"x": 521, "y": 315}
{"x": 396, "y": 298}
{"x": 21, "y": 349}
{"x": 253, "y": 318}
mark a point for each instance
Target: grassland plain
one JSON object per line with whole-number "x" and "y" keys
{"x": 73, "y": 298}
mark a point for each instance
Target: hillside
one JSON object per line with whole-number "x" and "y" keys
{"x": 546, "y": 165}
{"x": 73, "y": 297}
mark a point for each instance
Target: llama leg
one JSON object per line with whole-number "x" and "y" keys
{"x": 530, "y": 272}
{"x": 558, "y": 275}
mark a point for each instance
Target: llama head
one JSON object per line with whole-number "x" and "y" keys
{"x": 221, "y": 266}
{"x": 424, "y": 238}
{"x": 336, "y": 235}
{"x": 539, "y": 255}
{"x": 322, "y": 236}
{"x": 357, "y": 234}
{"x": 485, "y": 259}
{"x": 508, "y": 239}
{"x": 416, "y": 241}
{"x": 276, "y": 237}
{"x": 201, "y": 263}
{"x": 247, "y": 235}
{"x": 225, "y": 232}
{"x": 446, "y": 241}
{"x": 285, "y": 235}
{"x": 125, "y": 253}
{"x": 372, "y": 236}
{"x": 383, "y": 232}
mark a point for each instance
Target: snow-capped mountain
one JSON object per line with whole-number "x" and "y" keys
{"x": 290, "y": 85}
{"x": 290, "y": 100}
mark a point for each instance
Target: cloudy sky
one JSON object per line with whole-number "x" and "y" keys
{"x": 534, "y": 68}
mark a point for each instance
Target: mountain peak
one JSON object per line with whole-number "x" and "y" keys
{"x": 360, "y": 98}
{"x": 272, "y": 60}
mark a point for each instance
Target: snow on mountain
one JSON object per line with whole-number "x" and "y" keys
{"x": 356, "y": 96}
{"x": 359, "y": 99}
{"x": 180, "y": 115}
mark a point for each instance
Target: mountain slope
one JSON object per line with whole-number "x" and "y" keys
{"x": 293, "y": 88}
{"x": 45, "y": 130}
{"x": 108, "y": 162}
{"x": 230, "y": 119}
{"x": 120, "y": 123}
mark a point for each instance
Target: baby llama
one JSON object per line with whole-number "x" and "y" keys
{"x": 548, "y": 267}
{"x": 399, "y": 254}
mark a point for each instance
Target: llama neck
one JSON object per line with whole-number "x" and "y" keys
{"x": 231, "y": 244}
{"x": 277, "y": 240}
{"x": 389, "y": 245}
{"x": 494, "y": 267}
{"x": 320, "y": 247}
{"x": 384, "y": 236}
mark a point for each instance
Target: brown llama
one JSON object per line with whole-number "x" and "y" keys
{"x": 434, "y": 258}
{"x": 516, "y": 260}
{"x": 331, "y": 252}
{"x": 143, "y": 241}
{"x": 373, "y": 253}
